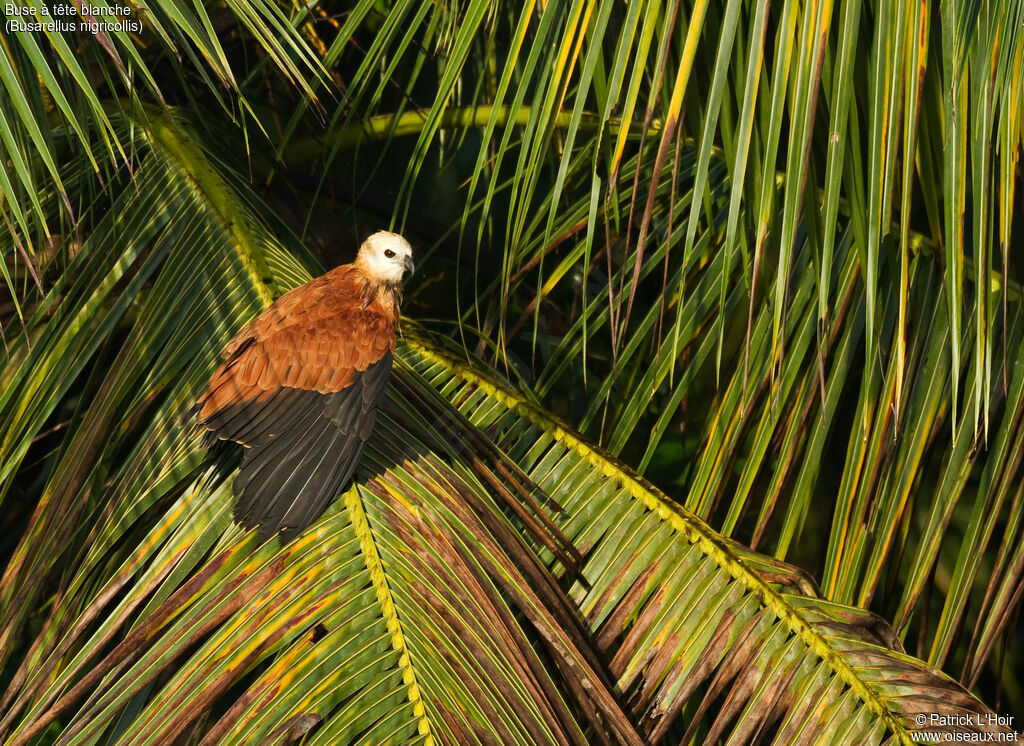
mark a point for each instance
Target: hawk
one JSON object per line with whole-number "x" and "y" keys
{"x": 299, "y": 387}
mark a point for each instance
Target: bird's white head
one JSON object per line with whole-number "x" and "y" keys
{"x": 385, "y": 257}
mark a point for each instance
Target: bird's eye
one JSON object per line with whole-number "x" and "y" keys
{"x": 389, "y": 253}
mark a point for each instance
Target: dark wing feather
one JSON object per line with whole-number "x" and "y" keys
{"x": 299, "y": 389}
{"x": 287, "y": 480}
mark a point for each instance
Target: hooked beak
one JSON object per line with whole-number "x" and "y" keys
{"x": 409, "y": 265}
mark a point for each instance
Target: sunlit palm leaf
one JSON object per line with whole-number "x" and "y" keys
{"x": 429, "y": 603}
{"x": 874, "y": 223}
{"x": 867, "y": 381}
{"x": 64, "y": 89}
{"x": 389, "y": 617}
{"x": 681, "y": 606}
{"x": 175, "y": 217}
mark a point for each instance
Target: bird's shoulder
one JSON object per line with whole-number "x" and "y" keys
{"x": 339, "y": 304}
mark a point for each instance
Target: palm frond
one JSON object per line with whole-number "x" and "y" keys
{"x": 761, "y": 252}
{"x": 69, "y": 86}
{"x": 489, "y": 576}
{"x": 408, "y": 610}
